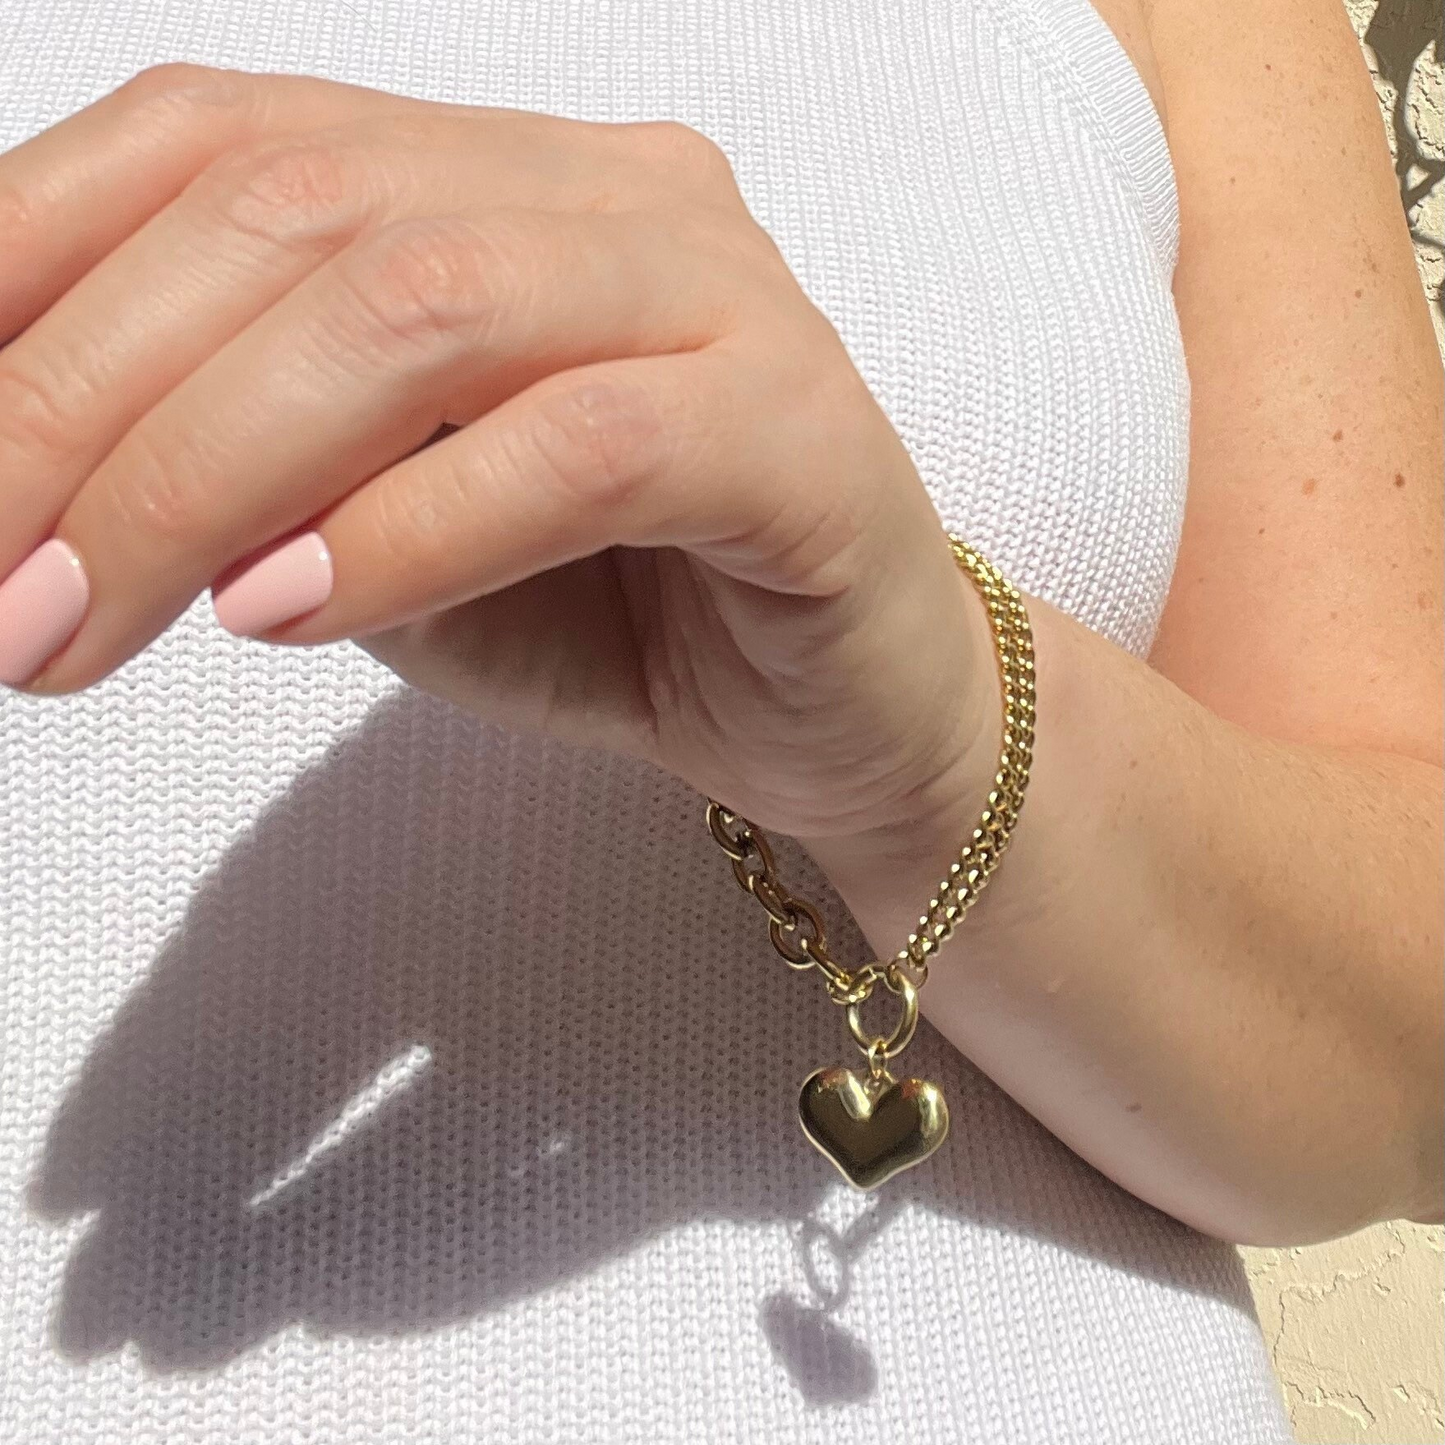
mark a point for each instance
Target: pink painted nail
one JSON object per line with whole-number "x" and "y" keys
{"x": 289, "y": 581}
{"x": 42, "y": 602}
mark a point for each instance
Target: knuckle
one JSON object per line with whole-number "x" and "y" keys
{"x": 412, "y": 520}
{"x": 154, "y": 491}
{"x": 34, "y": 415}
{"x": 414, "y": 516}
{"x": 600, "y": 440}
{"x": 181, "y": 88}
{"x": 681, "y": 149}
{"x": 286, "y": 191}
{"x": 759, "y": 247}
{"x": 417, "y": 282}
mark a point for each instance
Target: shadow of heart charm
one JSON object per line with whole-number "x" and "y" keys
{"x": 871, "y": 1129}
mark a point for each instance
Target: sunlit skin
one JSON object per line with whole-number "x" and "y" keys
{"x": 573, "y": 449}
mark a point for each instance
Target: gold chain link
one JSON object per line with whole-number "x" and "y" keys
{"x": 795, "y": 926}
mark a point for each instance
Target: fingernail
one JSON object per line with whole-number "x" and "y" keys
{"x": 288, "y": 582}
{"x": 42, "y": 602}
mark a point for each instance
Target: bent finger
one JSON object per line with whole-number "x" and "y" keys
{"x": 242, "y": 235}
{"x": 420, "y": 323}
{"x": 71, "y": 194}
{"x": 644, "y": 451}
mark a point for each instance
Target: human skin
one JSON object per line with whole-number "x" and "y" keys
{"x": 675, "y": 523}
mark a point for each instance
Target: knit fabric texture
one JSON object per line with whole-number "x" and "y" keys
{"x": 319, "y": 1119}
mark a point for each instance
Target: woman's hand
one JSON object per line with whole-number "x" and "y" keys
{"x": 659, "y": 512}
{"x": 673, "y": 521}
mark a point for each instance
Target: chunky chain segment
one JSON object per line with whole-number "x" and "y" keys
{"x": 795, "y": 926}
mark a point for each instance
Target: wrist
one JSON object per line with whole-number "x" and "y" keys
{"x": 887, "y": 872}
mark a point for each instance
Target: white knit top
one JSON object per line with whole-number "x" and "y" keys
{"x": 314, "y": 1126}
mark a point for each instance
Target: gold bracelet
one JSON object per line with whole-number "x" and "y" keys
{"x": 872, "y": 1126}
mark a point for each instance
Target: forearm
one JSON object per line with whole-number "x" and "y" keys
{"x": 1210, "y": 961}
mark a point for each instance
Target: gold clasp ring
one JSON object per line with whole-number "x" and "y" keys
{"x": 886, "y": 1046}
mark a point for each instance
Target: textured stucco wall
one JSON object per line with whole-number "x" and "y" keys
{"x": 1355, "y": 1329}
{"x": 1355, "y": 1326}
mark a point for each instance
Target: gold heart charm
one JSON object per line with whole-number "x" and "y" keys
{"x": 871, "y": 1128}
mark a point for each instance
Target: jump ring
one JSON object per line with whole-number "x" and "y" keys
{"x": 898, "y": 1040}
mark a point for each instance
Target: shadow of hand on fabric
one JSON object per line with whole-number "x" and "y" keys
{"x": 413, "y": 1054}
